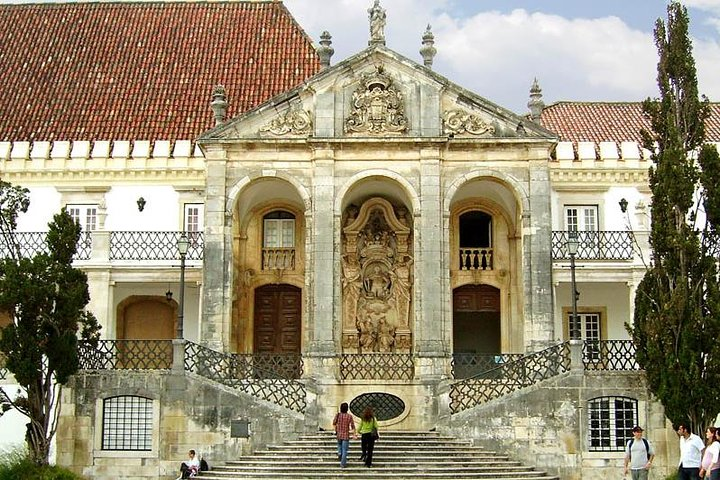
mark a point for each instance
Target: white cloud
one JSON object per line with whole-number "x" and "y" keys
{"x": 497, "y": 55}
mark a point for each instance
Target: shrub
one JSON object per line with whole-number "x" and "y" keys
{"x": 16, "y": 465}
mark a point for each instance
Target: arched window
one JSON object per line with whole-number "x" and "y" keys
{"x": 475, "y": 241}
{"x": 279, "y": 240}
{"x": 127, "y": 423}
{"x": 611, "y": 420}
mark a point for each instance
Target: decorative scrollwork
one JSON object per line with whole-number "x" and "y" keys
{"x": 294, "y": 121}
{"x": 457, "y": 122}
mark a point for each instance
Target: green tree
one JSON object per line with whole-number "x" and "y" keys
{"x": 677, "y": 305}
{"x": 45, "y": 298}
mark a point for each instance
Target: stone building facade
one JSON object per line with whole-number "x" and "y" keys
{"x": 380, "y": 235}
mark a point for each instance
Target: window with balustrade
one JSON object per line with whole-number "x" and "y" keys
{"x": 127, "y": 423}
{"x": 278, "y": 241}
{"x": 476, "y": 233}
{"x": 611, "y": 420}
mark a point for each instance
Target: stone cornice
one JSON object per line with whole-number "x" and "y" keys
{"x": 595, "y": 178}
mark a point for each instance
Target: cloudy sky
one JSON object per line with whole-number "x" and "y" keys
{"x": 583, "y": 50}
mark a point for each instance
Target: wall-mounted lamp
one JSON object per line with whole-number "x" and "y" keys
{"x": 141, "y": 204}
{"x": 168, "y": 296}
{"x": 623, "y": 205}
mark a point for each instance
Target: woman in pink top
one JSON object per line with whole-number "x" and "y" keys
{"x": 710, "y": 466}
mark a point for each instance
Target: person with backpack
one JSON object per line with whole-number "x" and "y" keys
{"x": 639, "y": 455}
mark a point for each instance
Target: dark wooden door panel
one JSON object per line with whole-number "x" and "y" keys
{"x": 277, "y": 319}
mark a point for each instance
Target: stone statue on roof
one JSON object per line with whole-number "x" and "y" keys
{"x": 377, "y": 24}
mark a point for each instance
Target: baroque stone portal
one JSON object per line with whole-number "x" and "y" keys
{"x": 377, "y": 278}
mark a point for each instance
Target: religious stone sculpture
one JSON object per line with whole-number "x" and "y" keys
{"x": 377, "y": 24}
{"x": 377, "y": 279}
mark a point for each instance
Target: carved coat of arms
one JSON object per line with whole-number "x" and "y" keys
{"x": 377, "y": 106}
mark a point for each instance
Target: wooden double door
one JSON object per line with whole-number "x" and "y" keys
{"x": 278, "y": 311}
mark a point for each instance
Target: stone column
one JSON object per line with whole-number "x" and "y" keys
{"x": 217, "y": 282}
{"x": 429, "y": 296}
{"x": 537, "y": 261}
{"x": 322, "y": 277}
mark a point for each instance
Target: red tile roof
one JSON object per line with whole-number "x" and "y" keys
{"x": 606, "y": 122}
{"x": 145, "y": 70}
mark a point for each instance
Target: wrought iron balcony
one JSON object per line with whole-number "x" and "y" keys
{"x": 476, "y": 258}
{"x": 597, "y": 245}
{"x": 29, "y": 244}
{"x": 609, "y": 355}
{"x": 154, "y": 245}
{"x": 466, "y": 365}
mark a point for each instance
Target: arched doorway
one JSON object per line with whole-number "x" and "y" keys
{"x": 278, "y": 311}
{"x": 476, "y": 328}
{"x": 145, "y": 317}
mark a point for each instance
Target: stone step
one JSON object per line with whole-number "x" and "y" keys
{"x": 399, "y": 455}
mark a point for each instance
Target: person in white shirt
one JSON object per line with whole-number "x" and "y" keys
{"x": 190, "y": 467}
{"x": 691, "y": 447}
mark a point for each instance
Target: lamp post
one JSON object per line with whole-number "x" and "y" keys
{"x": 572, "y": 248}
{"x": 182, "y": 245}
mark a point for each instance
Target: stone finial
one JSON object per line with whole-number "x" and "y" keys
{"x": 219, "y": 104}
{"x": 535, "y": 104}
{"x": 377, "y": 24}
{"x": 428, "y": 51}
{"x": 325, "y": 50}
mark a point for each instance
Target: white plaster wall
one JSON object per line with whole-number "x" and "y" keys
{"x": 44, "y": 203}
{"x": 162, "y": 209}
{"x": 12, "y": 425}
{"x": 615, "y": 297}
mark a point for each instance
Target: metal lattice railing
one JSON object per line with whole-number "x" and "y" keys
{"x": 126, "y": 355}
{"x": 4, "y": 372}
{"x": 377, "y": 366}
{"x": 509, "y": 377}
{"x": 154, "y": 245}
{"x": 256, "y": 375}
{"x": 466, "y": 365}
{"x": 609, "y": 355}
{"x": 595, "y": 245}
{"x": 33, "y": 243}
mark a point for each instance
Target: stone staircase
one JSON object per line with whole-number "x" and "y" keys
{"x": 398, "y": 456}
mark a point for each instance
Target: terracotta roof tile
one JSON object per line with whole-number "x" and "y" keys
{"x": 145, "y": 70}
{"x": 605, "y": 122}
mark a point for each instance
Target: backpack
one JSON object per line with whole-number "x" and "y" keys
{"x": 204, "y": 467}
{"x": 647, "y": 446}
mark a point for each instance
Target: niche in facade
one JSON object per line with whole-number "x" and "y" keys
{"x": 377, "y": 278}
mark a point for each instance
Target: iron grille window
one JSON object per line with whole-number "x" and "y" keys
{"x": 127, "y": 423}
{"x": 385, "y": 405}
{"x": 611, "y": 421}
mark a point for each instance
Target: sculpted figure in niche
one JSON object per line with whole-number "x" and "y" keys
{"x": 377, "y": 282}
{"x": 351, "y": 284}
{"x": 386, "y": 335}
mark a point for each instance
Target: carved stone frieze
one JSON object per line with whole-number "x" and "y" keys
{"x": 294, "y": 121}
{"x": 377, "y": 106}
{"x": 377, "y": 279}
{"x": 458, "y": 121}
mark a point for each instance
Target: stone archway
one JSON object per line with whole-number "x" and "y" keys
{"x": 145, "y": 317}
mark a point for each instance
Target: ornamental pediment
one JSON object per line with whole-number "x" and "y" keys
{"x": 377, "y": 106}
